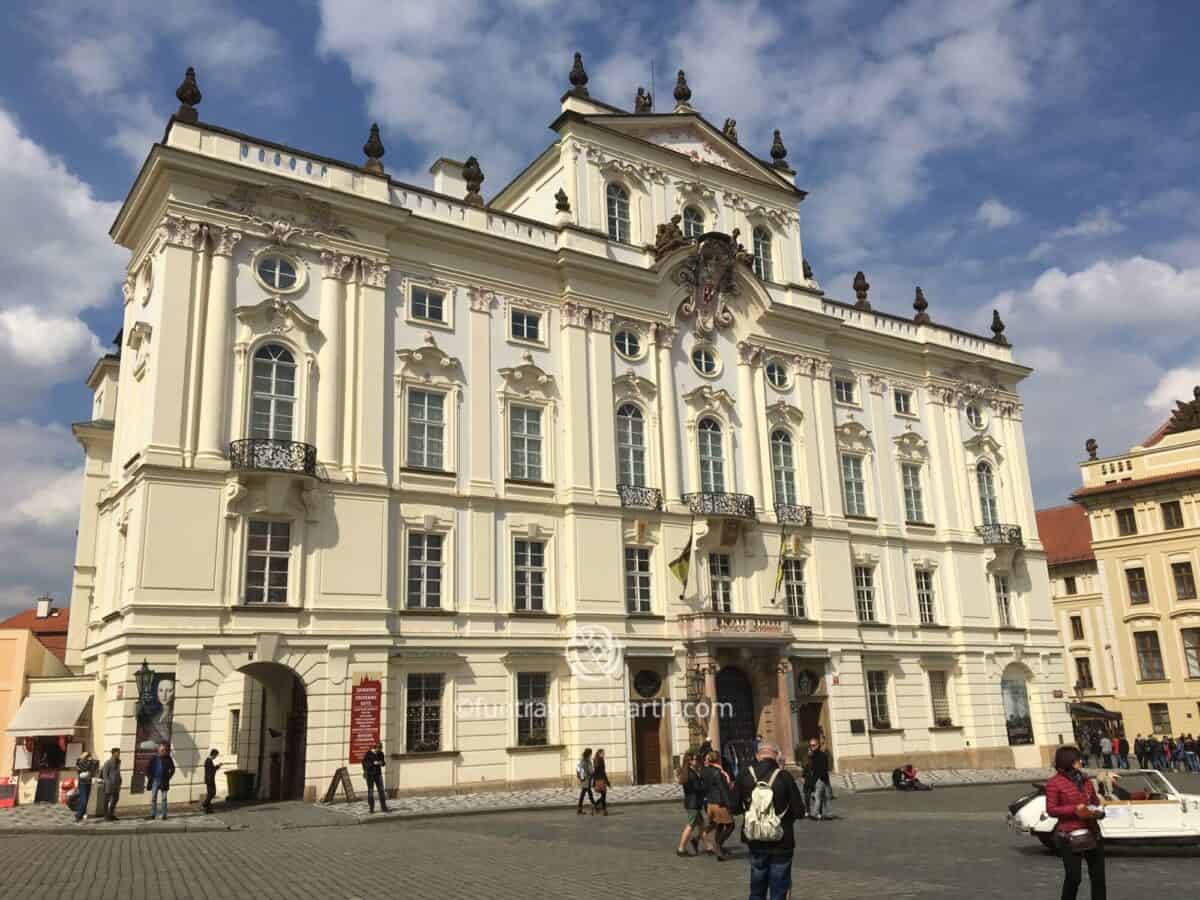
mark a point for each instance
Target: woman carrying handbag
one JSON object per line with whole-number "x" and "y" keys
{"x": 1071, "y": 798}
{"x": 600, "y": 782}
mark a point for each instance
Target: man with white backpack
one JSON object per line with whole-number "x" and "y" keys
{"x": 771, "y": 803}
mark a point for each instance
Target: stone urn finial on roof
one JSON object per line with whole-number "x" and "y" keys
{"x": 998, "y": 329}
{"x": 561, "y": 202}
{"x": 373, "y": 149}
{"x": 643, "y": 102}
{"x": 920, "y": 304}
{"x": 1092, "y": 448}
{"x": 860, "y": 292}
{"x": 579, "y": 77}
{"x": 779, "y": 152}
{"x": 683, "y": 93}
{"x": 188, "y": 94}
{"x": 473, "y": 176}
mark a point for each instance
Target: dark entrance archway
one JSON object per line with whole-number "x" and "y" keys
{"x": 735, "y": 699}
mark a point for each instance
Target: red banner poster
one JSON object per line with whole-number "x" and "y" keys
{"x": 366, "y": 703}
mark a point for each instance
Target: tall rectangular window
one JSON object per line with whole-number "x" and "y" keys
{"x": 529, "y": 575}
{"x": 525, "y": 443}
{"x": 914, "y": 501}
{"x": 423, "y": 713}
{"x": 1083, "y": 672}
{"x": 268, "y": 554}
{"x": 235, "y": 730}
{"x": 428, "y": 305}
{"x": 1191, "y": 651}
{"x": 1185, "y": 582}
{"x": 1149, "y": 654}
{"x": 1172, "y": 515}
{"x": 424, "y": 571}
{"x": 903, "y": 401}
{"x": 794, "y": 588}
{"x": 843, "y": 390}
{"x": 1077, "y": 628}
{"x": 1070, "y": 585}
{"x": 941, "y": 699}
{"x": 637, "y": 579}
{"x": 720, "y": 581}
{"x": 877, "y": 699}
{"x": 533, "y": 701}
{"x": 1160, "y": 718}
{"x": 426, "y": 429}
{"x": 1126, "y": 521}
{"x": 926, "y": 603}
{"x": 1003, "y": 599}
{"x": 864, "y": 593}
{"x": 854, "y": 487}
{"x": 526, "y": 325}
{"x": 1139, "y": 590}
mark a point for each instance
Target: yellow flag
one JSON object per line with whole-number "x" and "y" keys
{"x": 682, "y": 564}
{"x": 778, "y": 575}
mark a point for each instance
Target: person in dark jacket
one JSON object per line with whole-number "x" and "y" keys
{"x": 87, "y": 776}
{"x": 1071, "y": 798}
{"x": 210, "y": 779}
{"x": 693, "y": 804}
{"x": 771, "y": 861}
{"x": 160, "y": 772}
{"x": 718, "y": 805}
{"x": 600, "y": 782}
{"x": 373, "y": 762}
{"x": 110, "y": 774}
{"x": 820, "y": 791}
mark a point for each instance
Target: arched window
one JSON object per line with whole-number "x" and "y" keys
{"x": 762, "y": 254}
{"x": 783, "y": 467}
{"x": 618, "y": 213}
{"x": 631, "y": 446}
{"x": 987, "y": 493}
{"x": 712, "y": 457}
{"x": 273, "y": 393}
{"x": 693, "y": 222}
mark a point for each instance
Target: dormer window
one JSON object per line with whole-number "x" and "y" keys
{"x": 762, "y": 254}
{"x": 693, "y": 222}
{"x": 618, "y": 213}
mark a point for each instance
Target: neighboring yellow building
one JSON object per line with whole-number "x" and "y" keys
{"x": 22, "y": 656}
{"x": 1143, "y": 508}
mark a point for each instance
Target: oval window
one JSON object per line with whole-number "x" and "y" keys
{"x": 277, "y": 273}
{"x": 777, "y": 374}
{"x": 628, "y": 344}
{"x": 704, "y": 359}
{"x": 975, "y": 416}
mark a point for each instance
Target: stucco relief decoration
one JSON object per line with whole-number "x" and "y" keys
{"x": 235, "y": 493}
{"x": 783, "y": 413}
{"x": 1185, "y": 416}
{"x": 127, "y": 288}
{"x": 574, "y": 315}
{"x": 335, "y": 265}
{"x": 696, "y": 146}
{"x": 481, "y": 299}
{"x": 705, "y": 398}
{"x": 527, "y": 378}
{"x": 179, "y": 231}
{"x": 428, "y": 362}
{"x": 631, "y": 386}
{"x": 275, "y": 315}
{"x": 854, "y": 436}
{"x": 708, "y": 274}
{"x": 984, "y": 446}
{"x": 911, "y": 445}
{"x": 601, "y": 320}
{"x": 315, "y": 219}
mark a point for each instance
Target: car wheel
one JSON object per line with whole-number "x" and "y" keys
{"x": 1047, "y": 841}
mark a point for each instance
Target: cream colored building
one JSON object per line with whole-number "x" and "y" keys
{"x": 1137, "y": 604}
{"x": 360, "y": 428}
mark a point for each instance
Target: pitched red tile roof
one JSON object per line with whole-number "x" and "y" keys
{"x": 51, "y": 631}
{"x": 1065, "y": 533}
{"x": 1130, "y": 483}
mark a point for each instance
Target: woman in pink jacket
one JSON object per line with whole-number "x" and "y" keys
{"x": 1071, "y": 798}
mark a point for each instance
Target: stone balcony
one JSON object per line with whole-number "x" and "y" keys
{"x": 715, "y": 627}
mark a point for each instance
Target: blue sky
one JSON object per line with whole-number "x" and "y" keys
{"x": 1039, "y": 157}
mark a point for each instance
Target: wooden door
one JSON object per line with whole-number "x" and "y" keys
{"x": 649, "y": 748}
{"x": 810, "y": 721}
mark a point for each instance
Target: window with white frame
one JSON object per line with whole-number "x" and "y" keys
{"x": 631, "y": 446}
{"x": 783, "y": 467}
{"x": 844, "y": 392}
{"x": 777, "y": 373}
{"x": 864, "y": 593}
{"x": 877, "y": 699}
{"x": 712, "y": 456}
{"x": 525, "y": 443}
{"x": 533, "y": 709}
{"x": 1077, "y": 628}
{"x": 273, "y": 393}
{"x": 525, "y": 325}
{"x": 276, "y": 272}
{"x": 940, "y": 697}
{"x": 986, "y": 481}
{"x": 529, "y": 575}
{"x": 1160, "y": 718}
{"x": 424, "y": 570}
{"x": 628, "y": 344}
{"x": 705, "y": 360}
{"x": 268, "y": 559}
{"x": 794, "y": 587}
{"x": 903, "y": 401}
{"x": 1083, "y": 673}
{"x": 428, "y": 305}
{"x": 426, "y": 429}
{"x": 693, "y": 222}
{"x": 1191, "y": 651}
{"x": 914, "y": 500}
{"x": 1003, "y": 599}
{"x": 1149, "y": 655}
{"x": 1185, "y": 581}
{"x": 637, "y": 579}
{"x": 1139, "y": 588}
{"x": 854, "y": 486}
{"x": 975, "y": 416}
{"x": 720, "y": 581}
{"x": 1070, "y": 585}
{"x": 926, "y": 601}
{"x": 762, "y": 254}
{"x": 618, "y": 213}
{"x": 423, "y": 712}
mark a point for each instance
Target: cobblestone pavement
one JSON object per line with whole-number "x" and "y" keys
{"x": 942, "y": 844}
{"x": 50, "y": 817}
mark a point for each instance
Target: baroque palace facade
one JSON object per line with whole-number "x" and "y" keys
{"x": 361, "y": 432}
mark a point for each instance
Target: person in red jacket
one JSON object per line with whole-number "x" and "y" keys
{"x": 1071, "y": 798}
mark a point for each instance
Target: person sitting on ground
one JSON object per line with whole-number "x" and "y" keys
{"x": 905, "y": 779}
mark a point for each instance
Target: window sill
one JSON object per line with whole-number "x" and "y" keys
{"x": 435, "y": 611}
{"x": 887, "y": 731}
{"x": 934, "y": 626}
{"x": 908, "y": 415}
{"x": 844, "y": 404}
{"x": 862, "y": 624}
{"x": 1012, "y": 628}
{"x": 535, "y": 748}
{"x": 1153, "y": 681}
{"x": 526, "y": 342}
{"x": 929, "y": 525}
{"x": 429, "y": 323}
{"x": 433, "y": 754}
{"x": 801, "y": 620}
{"x": 645, "y": 617}
{"x": 526, "y": 482}
{"x": 857, "y": 518}
{"x": 421, "y": 470}
{"x": 267, "y": 607}
{"x": 945, "y": 728}
{"x": 533, "y": 614}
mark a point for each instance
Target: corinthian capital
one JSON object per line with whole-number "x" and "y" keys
{"x": 481, "y": 300}
{"x": 574, "y": 315}
{"x": 127, "y": 287}
{"x": 748, "y": 354}
{"x": 602, "y": 320}
{"x": 373, "y": 272}
{"x": 334, "y": 265}
{"x": 224, "y": 240}
{"x": 178, "y": 231}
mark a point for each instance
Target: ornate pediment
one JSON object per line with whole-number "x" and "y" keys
{"x": 1186, "y": 416}
{"x": 429, "y": 362}
{"x": 854, "y": 436}
{"x": 698, "y": 144}
{"x": 281, "y": 213}
{"x": 527, "y": 379}
{"x": 783, "y": 413}
{"x": 983, "y": 446}
{"x": 275, "y": 315}
{"x": 705, "y": 398}
{"x": 708, "y": 274}
{"x": 632, "y": 386}
{"x": 911, "y": 445}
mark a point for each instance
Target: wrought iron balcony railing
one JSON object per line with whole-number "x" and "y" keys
{"x": 269, "y": 455}
{"x": 1001, "y": 534}
{"x": 791, "y": 514}
{"x": 718, "y": 503}
{"x": 635, "y": 496}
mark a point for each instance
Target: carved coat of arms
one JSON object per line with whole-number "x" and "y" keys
{"x": 708, "y": 274}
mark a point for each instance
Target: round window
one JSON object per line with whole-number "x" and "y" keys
{"x": 277, "y": 273}
{"x": 777, "y": 374}
{"x": 975, "y": 416}
{"x": 704, "y": 359}
{"x": 628, "y": 344}
{"x": 647, "y": 683}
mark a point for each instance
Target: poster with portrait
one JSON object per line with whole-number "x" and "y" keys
{"x": 156, "y": 707}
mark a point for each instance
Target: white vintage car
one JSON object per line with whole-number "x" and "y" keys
{"x": 1142, "y": 807}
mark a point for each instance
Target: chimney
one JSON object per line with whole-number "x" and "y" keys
{"x": 448, "y": 178}
{"x": 43, "y": 607}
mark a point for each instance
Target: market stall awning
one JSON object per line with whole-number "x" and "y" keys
{"x": 1093, "y": 710}
{"x": 49, "y": 715}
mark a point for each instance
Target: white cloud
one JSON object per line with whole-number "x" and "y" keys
{"x": 994, "y": 214}
{"x": 1175, "y": 385}
{"x": 1099, "y": 222}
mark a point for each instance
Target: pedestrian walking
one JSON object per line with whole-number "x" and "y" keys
{"x": 583, "y": 774}
{"x": 1106, "y": 751}
{"x": 1122, "y": 752}
{"x": 717, "y": 804}
{"x": 689, "y": 779}
{"x": 110, "y": 774}
{"x": 373, "y": 763}
{"x": 1190, "y": 753}
{"x": 600, "y": 782}
{"x": 771, "y": 801}
{"x": 87, "y": 767}
{"x": 210, "y": 779}
{"x": 1139, "y": 750}
{"x": 822, "y": 790}
{"x": 160, "y": 772}
{"x": 1071, "y": 798}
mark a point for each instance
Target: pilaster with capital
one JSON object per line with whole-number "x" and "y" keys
{"x": 821, "y": 397}
{"x": 366, "y": 332}
{"x": 334, "y": 267}
{"x": 668, "y": 411}
{"x": 577, "y": 410}
{"x": 482, "y": 427}
{"x": 749, "y": 357}
{"x": 214, "y": 391}
{"x": 603, "y": 414}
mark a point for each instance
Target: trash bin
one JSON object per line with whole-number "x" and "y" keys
{"x": 241, "y": 785}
